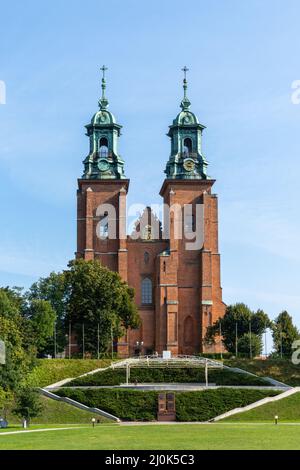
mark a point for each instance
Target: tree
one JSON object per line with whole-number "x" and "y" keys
{"x": 53, "y": 289}
{"x": 42, "y": 320}
{"x": 284, "y": 334}
{"x": 28, "y": 404}
{"x": 19, "y": 352}
{"x": 6, "y": 399}
{"x": 250, "y": 344}
{"x": 98, "y": 296}
{"x": 238, "y": 321}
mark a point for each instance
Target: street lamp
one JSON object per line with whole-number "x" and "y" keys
{"x": 139, "y": 345}
{"x": 93, "y": 422}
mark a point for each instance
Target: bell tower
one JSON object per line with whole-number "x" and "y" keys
{"x": 192, "y": 287}
{"x": 102, "y": 191}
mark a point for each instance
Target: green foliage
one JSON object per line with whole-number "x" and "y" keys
{"x": 250, "y": 344}
{"x": 13, "y": 329}
{"x": 165, "y": 375}
{"x": 54, "y": 290}
{"x": 98, "y": 296}
{"x": 134, "y": 405}
{"x": 238, "y": 316}
{"x": 28, "y": 404}
{"x": 42, "y": 319}
{"x": 49, "y": 371}
{"x": 284, "y": 334}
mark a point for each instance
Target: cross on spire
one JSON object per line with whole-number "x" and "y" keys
{"x": 185, "y": 104}
{"x": 103, "y": 103}
{"x": 103, "y": 68}
{"x": 185, "y": 70}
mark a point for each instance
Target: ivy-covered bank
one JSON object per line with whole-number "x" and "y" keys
{"x": 165, "y": 375}
{"x": 131, "y": 405}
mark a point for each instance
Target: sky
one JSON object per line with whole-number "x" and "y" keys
{"x": 243, "y": 59}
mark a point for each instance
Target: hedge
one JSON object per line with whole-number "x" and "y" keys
{"x": 49, "y": 371}
{"x": 171, "y": 375}
{"x": 132, "y": 405}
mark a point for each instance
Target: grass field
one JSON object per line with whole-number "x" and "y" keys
{"x": 49, "y": 371}
{"x": 280, "y": 369}
{"x": 287, "y": 409}
{"x": 55, "y": 412}
{"x": 160, "y": 437}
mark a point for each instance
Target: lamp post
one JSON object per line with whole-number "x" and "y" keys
{"x": 139, "y": 345}
{"x": 93, "y": 422}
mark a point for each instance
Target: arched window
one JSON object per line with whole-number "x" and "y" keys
{"x": 146, "y": 291}
{"x": 103, "y": 148}
{"x": 187, "y": 146}
{"x": 146, "y": 257}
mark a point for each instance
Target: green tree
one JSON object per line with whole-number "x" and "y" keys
{"x": 41, "y": 318}
{"x": 284, "y": 334}
{"x": 6, "y": 399}
{"x": 53, "y": 289}
{"x": 19, "y": 352}
{"x": 28, "y": 404}
{"x": 238, "y": 321}
{"x": 250, "y": 344}
{"x": 98, "y": 296}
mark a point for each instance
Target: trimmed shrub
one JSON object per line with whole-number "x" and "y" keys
{"x": 165, "y": 375}
{"x": 132, "y": 405}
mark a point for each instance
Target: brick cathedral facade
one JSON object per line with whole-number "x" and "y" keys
{"x": 177, "y": 290}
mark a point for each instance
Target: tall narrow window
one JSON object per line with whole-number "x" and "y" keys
{"x": 187, "y": 147}
{"x": 146, "y": 291}
{"x": 103, "y": 148}
{"x": 104, "y": 227}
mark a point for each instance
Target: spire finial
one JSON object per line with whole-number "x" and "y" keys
{"x": 185, "y": 103}
{"x": 103, "y": 103}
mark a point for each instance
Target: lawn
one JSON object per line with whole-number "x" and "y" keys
{"x": 54, "y": 412}
{"x": 49, "y": 371}
{"x": 280, "y": 369}
{"x": 160, "y": 437}
{"x": 287, "y": 409}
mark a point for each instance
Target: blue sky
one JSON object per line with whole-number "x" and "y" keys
{"x": 243, "y": 58}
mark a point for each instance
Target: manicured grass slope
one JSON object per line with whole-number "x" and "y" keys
{"x": 132, "y": 405}
{"x": 49, "y": 371}
{"x": 167, "y": 437}
{"x": 55, "y": 412}
{"x": 165, "y": 375}
{"x": 287, "y": 409}
{"x": 280, "y": 369}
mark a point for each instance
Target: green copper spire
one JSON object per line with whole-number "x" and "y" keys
{"x": 186, "y": 160}
{"x": 185, "y": 103}
{"x": 103, "y": 102}
{"x": 103, "y": 161}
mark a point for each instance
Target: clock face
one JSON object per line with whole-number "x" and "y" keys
{"x": 103, "y": 165}
{"x": 189, "y": 165}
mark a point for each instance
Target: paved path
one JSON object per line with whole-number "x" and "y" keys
{"x": 26, "y": 431}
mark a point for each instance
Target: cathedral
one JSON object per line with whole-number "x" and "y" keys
{"x": 177, "y": 283}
